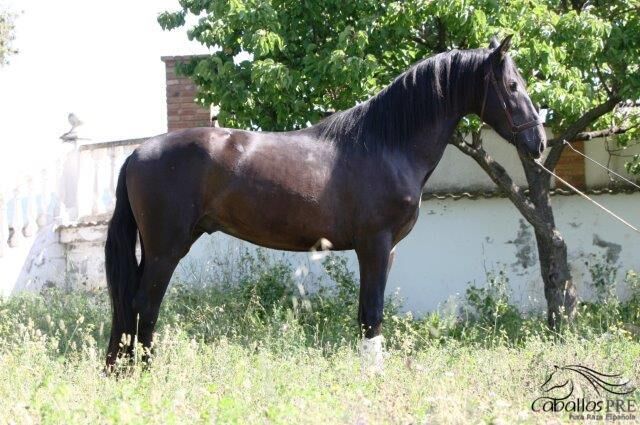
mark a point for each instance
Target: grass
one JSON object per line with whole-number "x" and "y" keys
{"x": 255, "y": 349}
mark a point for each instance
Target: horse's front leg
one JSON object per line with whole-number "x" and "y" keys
{"x": 374, "y": 255}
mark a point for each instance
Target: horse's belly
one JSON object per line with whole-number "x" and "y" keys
{"x": 279, "y": 220}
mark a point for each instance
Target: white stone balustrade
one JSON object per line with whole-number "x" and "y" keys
{"x": 4, "y": 226}
{"x": 77, "y": 186}
{"x": 45, "y": 198}
{"x": 98, "y": 169}
{"x": 16, "y": 218}
{"x": 29, "y": 209}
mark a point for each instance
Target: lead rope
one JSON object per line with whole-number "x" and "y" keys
{"x": 600, "y": 165}
{"x": 585, "y": 196}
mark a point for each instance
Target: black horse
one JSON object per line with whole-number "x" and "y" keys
{"x": 354, "y": 179}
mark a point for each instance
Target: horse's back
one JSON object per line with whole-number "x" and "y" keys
{"x": 273, "y": 189}
{"x": 198, "y": 138}
{"x": 282, "y": 190}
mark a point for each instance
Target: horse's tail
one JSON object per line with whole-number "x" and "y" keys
{"x": 121, "y": 264}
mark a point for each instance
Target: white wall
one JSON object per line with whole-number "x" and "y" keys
{"x": 597, "y": 149}
{"x": 456, "y": 242}
{"x": 458, "y": 172}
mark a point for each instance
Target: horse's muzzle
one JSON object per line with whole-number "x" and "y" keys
{"x": 532, "y": 142}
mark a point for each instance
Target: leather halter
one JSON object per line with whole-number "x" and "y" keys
{"x": 490, "y": 77}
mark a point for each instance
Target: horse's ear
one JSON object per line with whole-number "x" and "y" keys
{"x": 493, "y": 43}
{"x": 506, "y": 43}
{"x": 500, "y": 50}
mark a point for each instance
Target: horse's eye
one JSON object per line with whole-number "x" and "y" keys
{"x": 513, "y": 86}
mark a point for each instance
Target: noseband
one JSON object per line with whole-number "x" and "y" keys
{"x": 490, "y": 77}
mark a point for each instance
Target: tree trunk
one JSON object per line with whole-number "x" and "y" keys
{"x": 559, "y": 290}
{"x": 535, "y": 207}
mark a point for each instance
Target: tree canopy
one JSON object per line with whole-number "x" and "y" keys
{"x": 6, "y": 36}
{"x": 309, "y": 57}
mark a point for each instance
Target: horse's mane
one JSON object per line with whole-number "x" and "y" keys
{"x": 422, "y": 93}
{"x": 608, "y": 382}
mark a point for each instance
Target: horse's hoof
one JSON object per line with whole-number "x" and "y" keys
{"x": 372, "y": 355}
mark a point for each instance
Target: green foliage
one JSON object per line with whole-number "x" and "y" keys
{"x": 236, "y": 350}
{"x": 6, "y": 36}
{"x": 264, "y": 303}
{"x": 194, "y": 382}
{"x": 307, "y": 58}
{"x": 489, "y": 307}
{"x": 603, "y": 277}
{"x": 69, "y": 320}
{"x": 264, "y": 296}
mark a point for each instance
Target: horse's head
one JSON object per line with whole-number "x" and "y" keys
{"x": 558, "y": 385}
{"x": 556, "y": 379}
{"x": 506, "y": 106}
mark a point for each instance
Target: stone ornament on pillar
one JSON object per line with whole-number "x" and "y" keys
{"x": 71, "y": 136}
{"x": 69, "y": 179}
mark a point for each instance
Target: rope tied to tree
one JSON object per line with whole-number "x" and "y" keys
{"x": 588, "y": 198}
{"x": 609, "y": 170}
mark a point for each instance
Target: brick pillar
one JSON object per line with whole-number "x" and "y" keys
{"x": 571, "y": 167}
{"x": 182, "y": 110}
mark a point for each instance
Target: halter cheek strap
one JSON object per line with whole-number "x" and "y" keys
{"x": 490, "y": 77}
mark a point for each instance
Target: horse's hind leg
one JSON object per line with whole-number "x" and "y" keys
{"x": 160, "y": 261}
{"x": 153, "y": 284}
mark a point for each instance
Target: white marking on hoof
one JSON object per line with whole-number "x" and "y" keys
{"x": 372, "y": 355}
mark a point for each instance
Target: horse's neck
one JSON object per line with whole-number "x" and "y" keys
{"x": 428, "y": 146}
{"x": 429, "y": 143}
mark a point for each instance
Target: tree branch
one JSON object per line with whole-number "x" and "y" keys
{"x": 500, "y": 177}
{"x": 578, "y": 5}
{"x": 623, "y": 11}
{"x": 588, "y": 135}
{"x": 552, "y": 160}
{"x": 558, "y": 145}
{"x": 602, "y": 79}
{"x": 420, "y": 41}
